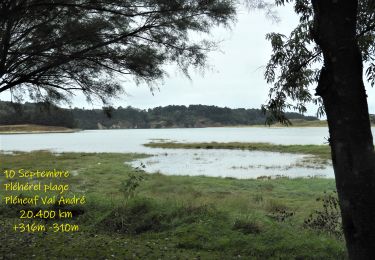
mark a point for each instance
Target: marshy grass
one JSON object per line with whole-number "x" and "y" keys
{"x": 321, "y": 151}
{"x": 172, "y": 217}
{"x": 31, "y": 128}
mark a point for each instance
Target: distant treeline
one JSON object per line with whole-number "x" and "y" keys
{"x": 129, "y": 117}
{"x": 35, "y": 113}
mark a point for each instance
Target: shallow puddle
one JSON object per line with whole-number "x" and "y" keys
{"x": 234, "y": 163}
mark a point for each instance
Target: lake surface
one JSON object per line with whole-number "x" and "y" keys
{"x": 224, "y": 163}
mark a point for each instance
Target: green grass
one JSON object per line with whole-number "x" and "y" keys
{"x": 172, "y": 217}
{"x": 321, "y": 151}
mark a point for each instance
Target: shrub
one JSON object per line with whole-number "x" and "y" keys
{"x": 247, "y": 226}
{"x": 137, "y": 217}
{"x": 143, "y": 215}
{"x": 329, "y": 218}
{"x": 278, "y": 211}
{"x": 130, "y": 185}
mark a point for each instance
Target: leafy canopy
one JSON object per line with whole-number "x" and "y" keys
{"x": 293, "y": 69}
{"x": 48, "y": 49}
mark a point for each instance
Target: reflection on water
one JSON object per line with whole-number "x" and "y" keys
{"x": 131, "y": 140}
{"x": 225, "y": 163}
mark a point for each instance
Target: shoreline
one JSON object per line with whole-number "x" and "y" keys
{"x": 34, "y": 129}
{"x": 320, "y": 151}
{"x": 40, "y": 132}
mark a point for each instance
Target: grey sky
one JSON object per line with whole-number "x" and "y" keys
{"x": 235, "y": 78}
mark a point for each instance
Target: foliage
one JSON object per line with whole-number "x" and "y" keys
{"x": 143, "y": 215}
{"x": 35, "y": 113}
{"x": 281, "y": 215}
{"x": 279, "y": 211}
{"x": 135, "y": 218}
{"x": 329, "y": 218}
{"x": 48, "y": 49}
{"x": 293, "y": 67}
{"x": 130, "y": 185}
{"x": 247, "y": 226}
{"x": 129, "y": 117}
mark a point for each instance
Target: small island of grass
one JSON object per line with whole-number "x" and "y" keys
{"x": 320, "y": 151}
{"x": 34, "y": 129}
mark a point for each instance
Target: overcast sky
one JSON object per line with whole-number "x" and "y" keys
{"x": 235, "y": 78}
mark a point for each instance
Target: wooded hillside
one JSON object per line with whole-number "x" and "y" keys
{"x": 129, "y": 117}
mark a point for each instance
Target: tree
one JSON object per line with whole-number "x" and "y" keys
{"x": 49, "y": 49}
{"x": 340, "y": 33}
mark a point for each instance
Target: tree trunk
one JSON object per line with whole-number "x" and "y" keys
{"x": 342, "y": 90}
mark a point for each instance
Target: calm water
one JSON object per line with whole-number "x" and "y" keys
{"x": 225, "y": 163}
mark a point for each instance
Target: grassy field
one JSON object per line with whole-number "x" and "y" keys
{"x": 172, "y": 217}
{"x": 14, "y": 129}
{"x": 321, "y": 151}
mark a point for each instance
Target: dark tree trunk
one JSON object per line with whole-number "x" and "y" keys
{"x": 345, "y": 101}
